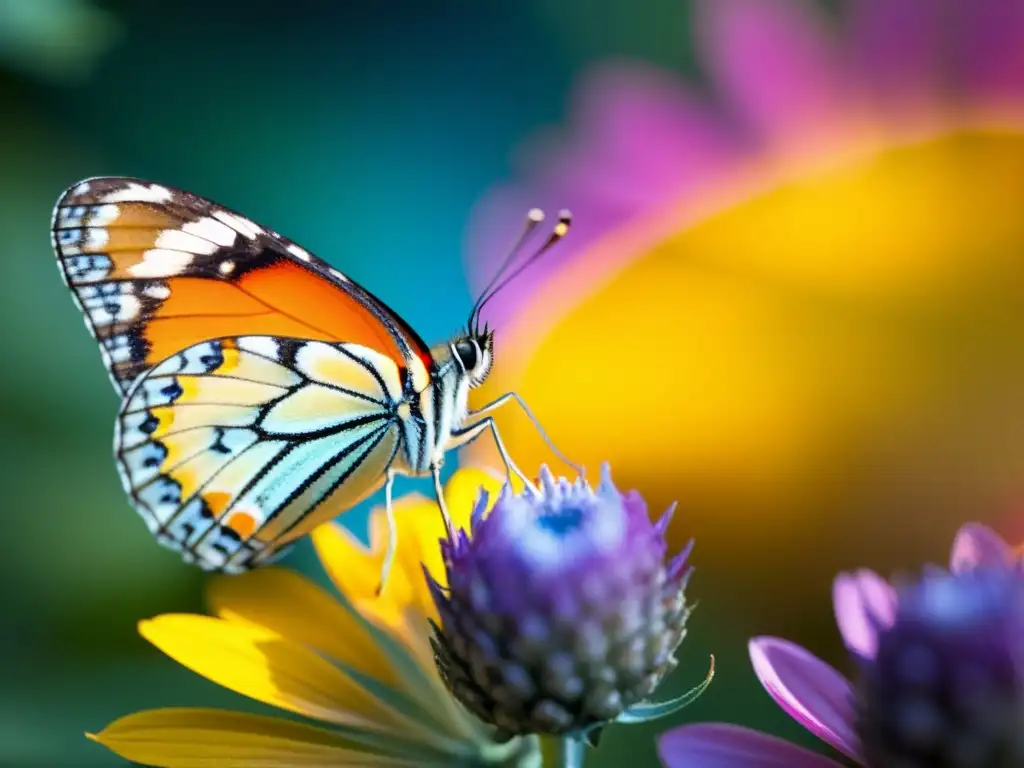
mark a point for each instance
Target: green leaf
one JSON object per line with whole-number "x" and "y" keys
{"x": 644, "y": 712}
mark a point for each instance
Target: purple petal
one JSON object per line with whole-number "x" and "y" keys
{"x": 989, "y": 42}
{"x": 864, "y": 603}
{"x": 775, "y": 62}
{"x": 719, "y": 745}
{"x": 642, "y": 135}
{"x": 957, "y": 51}
{"x": 896, "y": 46}
{"x": 812, "y": 692}
{"x": 978, "y": 545}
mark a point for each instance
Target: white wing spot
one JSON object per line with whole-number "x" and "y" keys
{"x": 183, "y": 240}
{"x": 81, "y": 189}
{"x": 160, "y": 263}
{"x": 156, "y": 291}
{"x": 96, "y": 237}
{"x": 138, "y": 193}
{"x": 118, "y": 348}
{"x": 243, "y": 226}
{"x": 256, "y": 228}
{"x": 88, "y": 269}
{"x": 299, "y": 253}
{"x": 260, "y": 345}
{"x": 227, "y": 267}
{"x": 212, "y": 230}
{"x": 99, "y": 215}
{"x": 116, "y": 310}
{"x": 102, "y": 215}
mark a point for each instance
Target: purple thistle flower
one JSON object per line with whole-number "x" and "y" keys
{"x": 941, "y": 678}
{"x": 563, "y": 611}
{"x": 947, "y": 684}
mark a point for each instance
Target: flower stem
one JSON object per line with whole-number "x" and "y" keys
{"x": 571, "y": 752}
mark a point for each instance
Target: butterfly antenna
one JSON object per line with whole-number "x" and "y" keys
{"x": 533, "y": 218}
{"x": 559, "y": 231}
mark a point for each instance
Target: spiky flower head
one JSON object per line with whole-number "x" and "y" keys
{"x": 947, "y": 684}
{"x": 562, "y": 611}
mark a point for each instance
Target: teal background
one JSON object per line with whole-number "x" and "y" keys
{"x": 365, "y": 131}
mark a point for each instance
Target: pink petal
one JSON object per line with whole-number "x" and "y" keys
{"x": 977, "y": 545}
{"x": 776, "y": 62}
{"x": 957, "y": 51}
{"x": 646, "y": 135}
{"x": 896, "y": 45}
{"x": 864, "y": 603}
{"x": 812, "y": 692}
{"x": 988, "y": 36}
{"x": 718, "y": 745}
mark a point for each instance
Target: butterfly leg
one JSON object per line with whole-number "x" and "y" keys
{"x": 514, "y": 396}
{"x": 460, "y": 437}
{"x": 389, "y": 552}
{"x": 435, "y": 471}
{"x": 439, "y": 492}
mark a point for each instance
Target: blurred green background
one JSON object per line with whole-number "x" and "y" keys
{"x": 366, "y": 131}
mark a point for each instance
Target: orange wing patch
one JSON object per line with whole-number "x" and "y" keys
{"x": 156, "y": 270}
{"x": 296, "y": 293}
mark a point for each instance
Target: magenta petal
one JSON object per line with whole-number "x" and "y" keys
{"x": 812, "y": 692}
{"x": 897, "y": 47}
{"x": 719, "y": 745}
{"x": 978, "y": 545}
{"x": 990, "y": 47}
{"x": 647, "y": 135}
{"x": 864, "y": 603}
{"x": 776, "y": 62}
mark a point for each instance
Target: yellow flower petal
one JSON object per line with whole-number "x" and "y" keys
{"x": 420, "y": 529}
{"x": 463, "y": 490}
{"x": 355, "y": 571}
{"x": 402, "y": 610}
{"x": 262, "y": 665}
{"x": 355, "y": 568}
{"x": 292, "y": 606}
{"x": 211, "y": 738}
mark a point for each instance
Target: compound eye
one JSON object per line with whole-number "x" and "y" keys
{"x": 468, "y": 353}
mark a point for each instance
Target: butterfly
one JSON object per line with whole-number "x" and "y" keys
{"x": 262, "y": 391}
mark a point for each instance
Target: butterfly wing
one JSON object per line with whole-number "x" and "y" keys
{"x": 232, "y": 448}
{"x": 156, "y": 270}
{"x": 258, "y": 383}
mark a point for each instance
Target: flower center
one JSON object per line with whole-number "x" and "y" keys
{"x": 947, "y": 684}
{"x": 562, "y": 521}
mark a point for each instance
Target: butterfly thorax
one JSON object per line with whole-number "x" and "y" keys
{"x": 434, "y": 414}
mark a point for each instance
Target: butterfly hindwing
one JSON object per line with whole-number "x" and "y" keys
{"x": 156, "y": 270}
{"x": 233, "y": 447}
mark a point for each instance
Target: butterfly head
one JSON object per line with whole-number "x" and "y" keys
{"x": 473, "y": 352}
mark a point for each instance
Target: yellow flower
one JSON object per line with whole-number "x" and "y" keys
{"x": 793, "y": 292}
{"x": 361, "y": 665}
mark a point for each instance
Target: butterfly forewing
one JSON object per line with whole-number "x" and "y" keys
{"x": 156, "y": 270}
{"x": 232, "y": 448}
